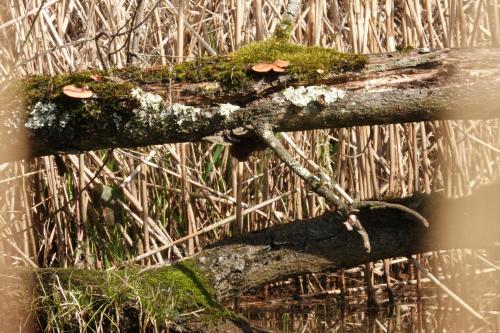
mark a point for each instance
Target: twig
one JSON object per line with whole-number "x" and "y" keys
{"x": 440, "y": 285}
{"x": 354, "y": 222}
{"x": 323, "y": 188}
{"x": 315, "y": 183}
{"x": 388, "y": 205}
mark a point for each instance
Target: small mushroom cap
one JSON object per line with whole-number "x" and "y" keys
{"x": 262, "y": 68}
{"x": 281, "y": 63}
{"x": 278, "y": 69}
{"x": 77, "y": 92}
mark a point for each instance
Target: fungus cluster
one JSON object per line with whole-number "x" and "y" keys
{"x": 278, "y": 66}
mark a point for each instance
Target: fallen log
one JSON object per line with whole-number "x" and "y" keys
{"x": 236, "y": 265}
{"x": 132, "y": 107}
{"x": 324, "y": 243}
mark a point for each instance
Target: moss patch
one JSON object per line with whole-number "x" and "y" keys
{"x": 113, "y": 103}
{"x": 112, "y": 91}
{"x": 69, "y": 299}
{"x": 306, "y": 63}
{"x": 284, "y": 30}
{"x": 111, "y": 96}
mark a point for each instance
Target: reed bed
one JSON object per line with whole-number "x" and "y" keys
{"x": 49, "y": 213}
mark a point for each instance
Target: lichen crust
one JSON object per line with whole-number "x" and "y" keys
{"x": 185, "y": 113}
{"x": 42, "y": 115}
{"x": 302, "y": 96}
{"x": 226, "y": 109}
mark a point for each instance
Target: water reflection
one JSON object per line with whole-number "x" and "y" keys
{"x": 431, "y": 314}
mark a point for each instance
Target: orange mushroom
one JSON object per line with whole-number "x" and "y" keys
{"x": 262, "y": 67}
{"x": 77, "y": 92}
{"x": 281, "y": 63}
{"x": 278, "y": 69}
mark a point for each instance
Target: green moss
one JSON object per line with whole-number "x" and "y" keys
{"x": 306, "y": 63}
{"x": 159, "y": 296}
{"x": 111, "y": 101}
{"x": 144, "y": 75}
{"x": 112, "y": 96}
{"x": 284, "y": 30}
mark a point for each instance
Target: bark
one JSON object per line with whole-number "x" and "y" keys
{"x": 324, "y": 243}
{"x": 391, "y": 88}
{"x": 236, "y": 265}
{"x": 228, "y": 268}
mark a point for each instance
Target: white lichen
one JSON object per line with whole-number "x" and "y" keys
{"x": 153, "y": 112}
{"x": 185, "y": 113}
{"x": 42, "y": 115}
{"x": 226, "y": 109}
{"x": 302, "y": 96}
{"x": 151, "y": 105}
{"x": 116, "y": 120}
{"x": 148, "y": 101}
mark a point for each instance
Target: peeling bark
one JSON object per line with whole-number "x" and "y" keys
{"x": 392, "y": 88}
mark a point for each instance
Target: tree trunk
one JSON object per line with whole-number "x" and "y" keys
{"x": 138, "y": 110}
{"x": 325, "y": 244}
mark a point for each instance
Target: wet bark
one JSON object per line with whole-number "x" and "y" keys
{"x": 392, "y": 88}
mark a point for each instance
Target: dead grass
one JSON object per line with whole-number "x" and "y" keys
{"x": 162, "y": 193}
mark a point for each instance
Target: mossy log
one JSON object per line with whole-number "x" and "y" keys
{"x": 321, "y": 88}
{"x": 236, "y": 265}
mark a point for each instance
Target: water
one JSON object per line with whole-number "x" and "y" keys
{"x": 431, "y": 314}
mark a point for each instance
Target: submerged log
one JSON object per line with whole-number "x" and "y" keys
{"x": 131, "y": 107}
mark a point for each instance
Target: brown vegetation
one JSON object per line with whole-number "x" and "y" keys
{"x": 99, "y": 208}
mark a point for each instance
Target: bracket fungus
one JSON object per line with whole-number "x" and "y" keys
{"x": 77, "y": 92}
{"x": 281, "y": 63}
{"x": 278, "y": 67}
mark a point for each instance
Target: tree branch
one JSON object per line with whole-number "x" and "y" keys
{"x": 324, "y": 188}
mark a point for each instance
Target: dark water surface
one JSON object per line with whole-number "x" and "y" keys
{"x": 435, "y": 312}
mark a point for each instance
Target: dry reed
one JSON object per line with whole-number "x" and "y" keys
{"x": 157, "y": 195}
